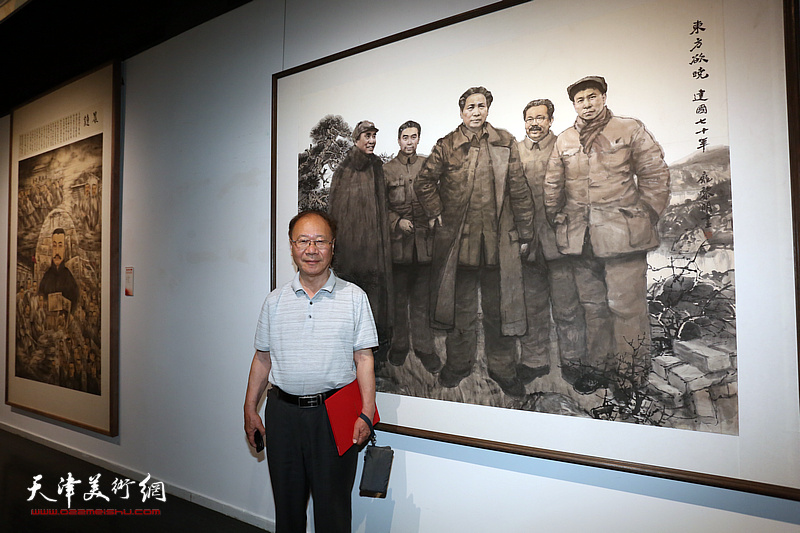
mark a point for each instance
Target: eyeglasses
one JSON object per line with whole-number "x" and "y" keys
{"x": 320, "y": 244}
{"x": 536, "y": 119}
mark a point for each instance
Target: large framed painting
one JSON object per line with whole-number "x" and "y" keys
{"x": 574, "y": 226}
{"x": 63, "y": 276}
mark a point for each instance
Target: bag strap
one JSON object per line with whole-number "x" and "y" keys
{"x": 366, "y": 419}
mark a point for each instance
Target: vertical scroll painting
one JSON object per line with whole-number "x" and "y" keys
{"x": 63, "y": 247}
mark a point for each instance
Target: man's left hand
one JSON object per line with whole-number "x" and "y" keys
{"x": 406, "y": 226}
{"x": 360, "y": 432}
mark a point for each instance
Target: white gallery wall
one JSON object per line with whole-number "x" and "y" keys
{"x": 195, "y": 227}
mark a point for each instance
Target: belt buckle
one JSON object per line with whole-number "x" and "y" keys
{"x": 314, "y": 400}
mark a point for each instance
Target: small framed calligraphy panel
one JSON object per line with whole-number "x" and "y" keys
{"x": 63, "y": 276}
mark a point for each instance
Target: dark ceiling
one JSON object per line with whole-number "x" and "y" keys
{"x": 48, "y": 42}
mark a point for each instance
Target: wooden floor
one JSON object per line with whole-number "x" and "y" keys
{"x": 22, "y": 459}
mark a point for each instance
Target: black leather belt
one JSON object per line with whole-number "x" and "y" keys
{"x": 310, "y": 400}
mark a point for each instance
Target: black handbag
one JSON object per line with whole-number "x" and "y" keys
{"x": 377, "y": 467}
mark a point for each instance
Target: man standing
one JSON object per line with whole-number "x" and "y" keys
{"x": 314, "y": 336}
{"x": 474, "y": 193}
{"x": 357, "y": 201}
{"x": 58, "y": 278}
{"x": 546, "y": 273}
{"x": 606, "y": 187}
{"x": 411, "y": 253}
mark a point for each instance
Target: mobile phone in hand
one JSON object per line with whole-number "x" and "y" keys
{"x": 259, "y": 441}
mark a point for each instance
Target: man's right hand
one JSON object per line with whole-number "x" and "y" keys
{"x": 256, "y": 385}
{"x": 252, "y": 422}
{"x": 432, "y": 222}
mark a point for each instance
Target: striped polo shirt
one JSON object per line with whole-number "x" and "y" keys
{"x": 311, "y": 340}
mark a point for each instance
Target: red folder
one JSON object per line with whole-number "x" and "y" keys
{"x": 343, "y": 410}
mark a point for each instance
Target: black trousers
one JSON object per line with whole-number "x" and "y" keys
{"x": 303, "y": 460}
